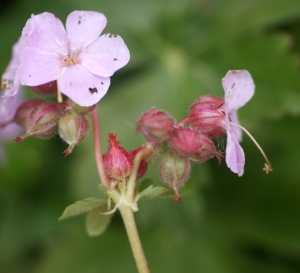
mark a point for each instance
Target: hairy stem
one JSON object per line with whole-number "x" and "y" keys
{"x": 142, "y": 154}
{"x": 134, "y": 239}
{"x": 97, "y": 149}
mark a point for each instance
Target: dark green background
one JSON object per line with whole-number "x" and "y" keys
{"x": 179, "y": 51}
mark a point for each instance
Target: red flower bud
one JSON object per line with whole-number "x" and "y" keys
{"x": 23, "y": 112}
{"x": 117, "y": 161}
{"x": 72, "y": 128}
{"x": 42, "y": 122}
{"x": 46, "y": 89}
{"x": 207, "y": 115}
{"x": 189, "y": 143}
{"x": 143, "y": 165}
{"x": 185, "y": 142}
{"x": 174, "y": 171}
{"x": 156, "y": 125}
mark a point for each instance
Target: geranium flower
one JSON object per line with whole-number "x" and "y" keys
{"x": 239, "y": 89}
{"x": 80, "y": 60}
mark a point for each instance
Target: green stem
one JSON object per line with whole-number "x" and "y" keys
{"x": 134, "y": 239}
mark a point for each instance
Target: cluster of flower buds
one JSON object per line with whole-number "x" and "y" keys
{"x": 178, "y": 144}
{"x": 191, "y": 139}
{"x": 43, "y": 119}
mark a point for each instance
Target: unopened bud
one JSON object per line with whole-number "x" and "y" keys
{"x": 156, "y": 125}
{"x": 143, "y": 164}
{"x": 42, "y": 122}
{"x": 207, "y": 115}
{"x": 117, "y": 161}
{"x": 174, "y": 171}
{"x": 82, "y": 110}
{"x": 23, "y": 112}
{"x": 46, "y": 89}
{"x": 189, "y": 143}
{"x": 72, "y": 128}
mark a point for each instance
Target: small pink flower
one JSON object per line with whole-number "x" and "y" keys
{"x": 80, "y": 60}
{"x": 239, "y": 89}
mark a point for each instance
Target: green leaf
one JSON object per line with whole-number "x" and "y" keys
{"x": 96, "y": 223}
{"x": 164, "y": 192}
{"x": 83, "y": 206}
{"x": 145, "y": 184}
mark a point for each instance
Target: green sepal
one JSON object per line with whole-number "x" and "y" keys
{"x": 83, "y": 206}
{"x": 96, "y": 223}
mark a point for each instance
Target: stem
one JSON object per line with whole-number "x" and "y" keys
{"x": 97, "y": 149}
{"x": 134, "y": 239}
{"x": 268, "y": 166}
{"x": 142, "y": 154}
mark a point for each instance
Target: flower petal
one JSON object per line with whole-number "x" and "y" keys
{"x": 48, "y": 33}
{"x": 9, "y": 93}
{"x": 235, "y": 157}
{"x": 38, "y": 67}
{"x": 234, "y": 119}
{"x": 11, "y": 70}
{"x": 106, "y": 55}
{"x": 239, "y": 88}
{"x": 84, "y": 27}
{"x": 82, "y": 86}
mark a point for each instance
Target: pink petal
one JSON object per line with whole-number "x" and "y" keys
{"x": 106, "y": 55}
{"x": 10, "y": 71}
{"x": 48, "y": 33}
{"x": 234, "y": 119}
{"x": 84, "y": 27}
{"x": 26, "y": 32}
{"x": 82, "y": 86}
{"x": 239, "y": 88}
{"x": 235, "y": 157}
{"x": 9, "y": 93}
{"x": 38, "y": 67}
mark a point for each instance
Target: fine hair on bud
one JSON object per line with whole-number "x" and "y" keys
{"x": 207, "y": 116}
{"x": 174, "y": 171}
{"x": 156, "y": 125}
{"x": 117, "y": 161}
{"x": 42, "y": 122}
{"x": 72, "y": 128}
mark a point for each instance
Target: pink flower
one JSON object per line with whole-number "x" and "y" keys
{"x": 8, "y": 108}
{"x": 239, "y": 89}
{"x": 80, "y": 60}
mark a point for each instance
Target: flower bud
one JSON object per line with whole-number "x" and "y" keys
{"x": 143, "y": 164}
{"x": 117, "y": 161}
{"x": 185, "y": 142}
{"x": 174, "y": 171}
{"x": 189, "y": 143}
{"x": 46, "y": 89}
{"x": 156, "y": 125}
{"x": 72, "y": 128}
{"x": 82, "y": 110}
{"x": 42, "y": 122}
{"x": 23, "y": 112}
{"x": 207, "y": 115}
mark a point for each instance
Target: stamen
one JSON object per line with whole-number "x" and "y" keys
{"x": 59, "y": 95}
{"x": 268, "y": 167}
{"x": 5, "y": 84}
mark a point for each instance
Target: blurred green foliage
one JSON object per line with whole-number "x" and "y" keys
{"x": 179, "y": 51}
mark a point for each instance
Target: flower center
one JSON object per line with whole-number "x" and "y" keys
{"x": 70, "y": 59}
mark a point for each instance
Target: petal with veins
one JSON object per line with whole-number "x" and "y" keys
{"x": 239, "y": 88}
{"x": 48, "y": 34}
{"x": 106, "y": 55}
{"x": 82, "y": 86}
{"x": 84, "y": 27}
{"x": 235, "y": 157}
{"x": 38, "y": 67}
